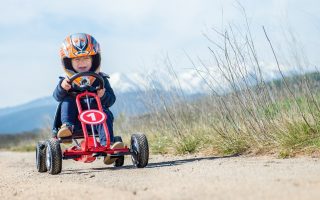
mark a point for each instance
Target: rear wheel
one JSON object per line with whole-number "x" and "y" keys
{"x": 41, "y": 156}
{"x": 53, "y": 156}
{"x": 140, "y": 150}
{"x": 120, "y": 161}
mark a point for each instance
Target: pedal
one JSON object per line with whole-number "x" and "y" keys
{"x": 65, "y": 140}
{"x": 98, "y": 154}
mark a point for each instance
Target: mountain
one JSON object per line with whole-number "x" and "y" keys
{"x": 136, "y": 93}
{"x": 188, "y": 81}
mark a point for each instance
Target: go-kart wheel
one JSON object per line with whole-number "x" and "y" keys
{"x": 140, "y": 150}
{"x": 120, "y": 161}
{"x": 53, "y": 156}
{"x": 41, "y": 156}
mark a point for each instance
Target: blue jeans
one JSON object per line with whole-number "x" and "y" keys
{"x": 69, "y": 115}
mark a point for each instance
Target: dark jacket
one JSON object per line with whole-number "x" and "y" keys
{"x": 107, "y": 100}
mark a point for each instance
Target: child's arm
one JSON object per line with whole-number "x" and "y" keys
{"x": 59, "y": 93}
{"x": 108, "y": 98}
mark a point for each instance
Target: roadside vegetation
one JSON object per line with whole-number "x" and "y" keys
{"x": 264, "y": 119}
{"x": 22, "y": 142}
{"x": 244, "y": 113}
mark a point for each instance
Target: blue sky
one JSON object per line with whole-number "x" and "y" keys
{"x": 134, "y": 35}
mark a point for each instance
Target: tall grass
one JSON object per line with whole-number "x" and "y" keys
{"x": 244, "y": 112}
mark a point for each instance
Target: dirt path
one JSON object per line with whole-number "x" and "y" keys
{"x": 164, "y": 178}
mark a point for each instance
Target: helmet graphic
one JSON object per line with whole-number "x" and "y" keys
{"x": 79, "y": 45}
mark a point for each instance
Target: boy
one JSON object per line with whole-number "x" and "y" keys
{"x": 80, "y": 52}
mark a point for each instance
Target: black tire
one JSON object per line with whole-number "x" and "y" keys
{"x": 53, "y": 156}
{"x": 140, "y": 150}
{"x": 120, "y": 161}
{"x": 41, "y": 156}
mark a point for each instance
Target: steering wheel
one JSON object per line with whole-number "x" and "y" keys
{"x": 84, "y": 86}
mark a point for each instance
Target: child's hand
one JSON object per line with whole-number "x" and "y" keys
{"x": 66, "y": 84}
{"x": 101, "y": 92}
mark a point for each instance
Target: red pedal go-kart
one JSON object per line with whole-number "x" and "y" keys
{"x": 49, "y": 155}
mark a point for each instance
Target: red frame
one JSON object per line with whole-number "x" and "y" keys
{"x": 87, "y": 145}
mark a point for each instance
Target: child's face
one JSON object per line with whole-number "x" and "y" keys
{"x": 82, "y": 64}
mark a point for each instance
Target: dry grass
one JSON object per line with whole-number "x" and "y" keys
{"x": 244, "y": 113}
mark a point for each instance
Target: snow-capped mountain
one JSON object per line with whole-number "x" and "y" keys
{"x": 189, "y": 82}
{"x": 193, "y": 81}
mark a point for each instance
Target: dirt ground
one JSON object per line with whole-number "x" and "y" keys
{"x": 166, "y": 177}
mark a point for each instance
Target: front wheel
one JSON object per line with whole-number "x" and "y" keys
{"x": 139, "y": 150}
{"x": 53, "y": 156}
{"x": 41, "y": 157}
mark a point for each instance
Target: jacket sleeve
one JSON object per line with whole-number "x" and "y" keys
{"x": 109, "y": 97}
{"x": 59, "y": 93}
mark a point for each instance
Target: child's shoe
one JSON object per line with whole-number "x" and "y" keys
{"x": 108, "y": 160}
{"x": 65, "y": 131}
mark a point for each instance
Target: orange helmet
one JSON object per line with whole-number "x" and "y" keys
{"x": 78, "y": 45}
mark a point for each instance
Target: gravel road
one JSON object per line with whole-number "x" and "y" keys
{"x": 166, "y": 177}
